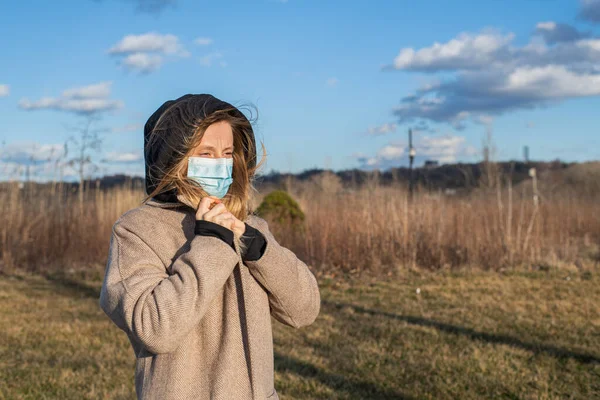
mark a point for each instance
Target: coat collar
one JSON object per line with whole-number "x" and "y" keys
{"x": 171, "y": 203}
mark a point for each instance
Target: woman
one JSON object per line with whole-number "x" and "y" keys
{"x": 192, "y": 276}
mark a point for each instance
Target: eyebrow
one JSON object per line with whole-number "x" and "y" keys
{"x": 206, "y": 147}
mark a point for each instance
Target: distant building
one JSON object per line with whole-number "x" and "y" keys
{"x": 431, "y": 163}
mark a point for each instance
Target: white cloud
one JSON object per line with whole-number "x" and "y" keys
{"x": 546, "y": 26}
{"x": 142, "y": 62}
{"x": 130, "y": 169}
{"x": 592, "y": 45}
{"x": 150, "y": 6}
{"x": 209, "y": 59}
{"x": 28, "y": 152}
{"x": 553, "y": 32}
{"x": 123, "y": 157}
{"x": 36, "y": 161}
{"x": 487, "y": 76}
{"x": 484, "y": 119}
{"x": 390, "y": 152}
{"x": 444, "y": 149}
{"x": 203, "y": 41}
{"x": 149, "y": 42}
{"x": 78, "y": 106}
{"x": 464, "y": 52}
{"x": 332, "y": 82}
{"x": 590, "y": 10}
{"x": 551, "y": 81}
{"x": 40, "y": 172}
{"x": 382, "y": 129}
{"x": 146, "y": 52}
{"x": 80, "y": 100}
{"x": 96, "y": 90}
{"x": 47, "y": 161}
{"x": 4, "y": 90}
{"x": 127, "y": 128}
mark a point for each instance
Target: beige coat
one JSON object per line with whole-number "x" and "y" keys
{"x": 199, "y": 318}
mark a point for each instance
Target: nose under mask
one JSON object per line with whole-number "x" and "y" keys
{"x": 213, "y": 174}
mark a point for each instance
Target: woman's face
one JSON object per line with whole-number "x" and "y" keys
{"x": 217, "y": 142}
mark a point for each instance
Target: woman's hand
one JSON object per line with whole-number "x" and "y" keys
{"x": 219, "y": 215}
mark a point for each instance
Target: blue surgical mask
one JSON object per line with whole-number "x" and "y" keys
{"x": 213, "y": 174}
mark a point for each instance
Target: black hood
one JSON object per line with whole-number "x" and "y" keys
{"x": 160, "y": 155}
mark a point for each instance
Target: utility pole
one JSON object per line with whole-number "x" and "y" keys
{"x": 411, "y": 155}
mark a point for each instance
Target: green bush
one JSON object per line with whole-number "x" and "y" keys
{"x": 280, "y": 207}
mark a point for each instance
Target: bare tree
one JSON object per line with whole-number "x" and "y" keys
{"x": 85, "y": 141}
{"x": 58, "y": 167}
{"x": 9, "y": 169}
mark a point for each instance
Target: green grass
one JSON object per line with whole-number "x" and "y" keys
{"x": 464, "y": 336}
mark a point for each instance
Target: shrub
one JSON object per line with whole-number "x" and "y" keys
{"x": 280, "y": 207}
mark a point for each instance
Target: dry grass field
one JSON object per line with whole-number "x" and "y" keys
{"x": 369, "y": 229}
{"x": 463, "y": 336}
{"x": 490, "y": 294}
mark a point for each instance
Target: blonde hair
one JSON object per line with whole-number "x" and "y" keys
{"x": 185, "y": 114}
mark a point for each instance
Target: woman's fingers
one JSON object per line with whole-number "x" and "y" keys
{"x": 216, "y": 210}
{"x": 214, "y": 203}
{"x": 217, "y": 214}
{"x": 225, "y": 219}
{"x": 204, "y": 206}
{"x": 238, "y": 226}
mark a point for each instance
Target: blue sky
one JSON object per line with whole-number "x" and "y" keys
{"x": 337, "y": 84}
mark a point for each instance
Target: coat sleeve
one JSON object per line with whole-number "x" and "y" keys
{"x": 293, "y": 292}
{"x": 155, "y": 308}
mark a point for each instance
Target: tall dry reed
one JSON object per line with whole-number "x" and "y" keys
{"x": 377, "y": 228}
{"x": 371, "y": 228}
{"x": 48, "y": 226}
